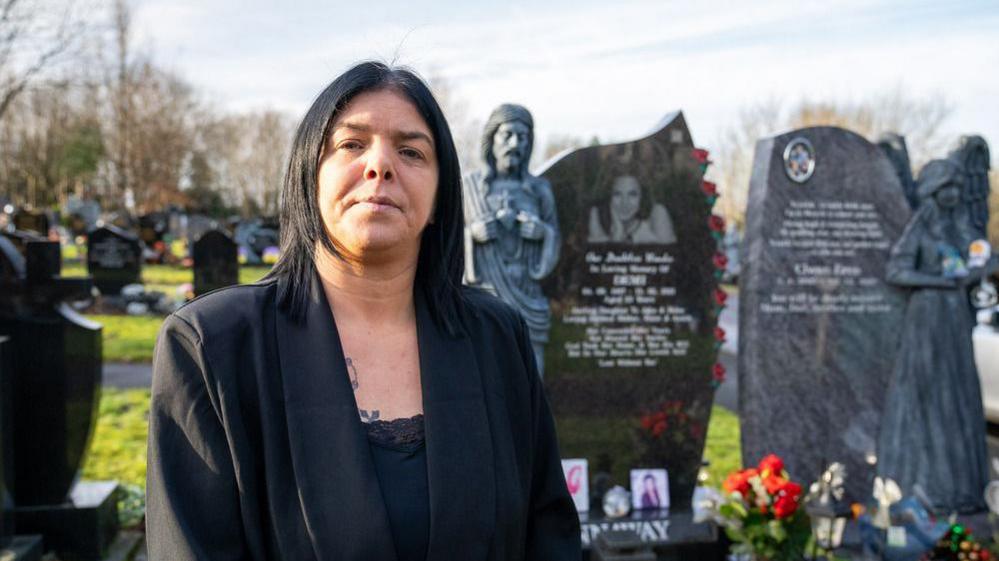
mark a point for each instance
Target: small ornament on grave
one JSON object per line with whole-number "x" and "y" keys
{"x": 617, "y": 502}
{"x": 958, "y": 544}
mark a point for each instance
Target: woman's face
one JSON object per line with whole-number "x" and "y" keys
{"x": 650, "y": 485}
{"x": 626, "y": 196}
{"x": 948, "y": 196}
{"x": 378, "y": 175}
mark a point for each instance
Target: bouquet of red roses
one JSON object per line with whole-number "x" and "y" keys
{"x": 759, "y": 512}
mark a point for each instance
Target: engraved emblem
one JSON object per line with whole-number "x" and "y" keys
{"x": 799, "y": 160}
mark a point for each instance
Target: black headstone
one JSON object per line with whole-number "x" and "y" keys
{"x": 56, "y": 374}
{"x": 630, "y": 362}
{"x": 114, "y": 258}
{"x": 31, "y": 221}
{"x": 818, "y": 325}
{"x": 216, "y": 262}
{"x": 6, "y": 441}
{"x": 20, "y": 238}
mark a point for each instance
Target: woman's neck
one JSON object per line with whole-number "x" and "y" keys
{"x": 369, "y": 293}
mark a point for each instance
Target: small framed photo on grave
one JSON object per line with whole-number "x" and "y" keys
{"x": 577, "y": 479}
{"x": 649, "y": 489}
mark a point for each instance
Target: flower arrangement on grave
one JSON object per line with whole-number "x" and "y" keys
{"x": 759, "y": 511}
{"x": 666, "y": 429}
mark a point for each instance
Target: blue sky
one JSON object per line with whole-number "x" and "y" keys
{"x": 595, "y": 68}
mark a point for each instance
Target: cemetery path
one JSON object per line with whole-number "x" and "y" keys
{"x": 121, "y": 375}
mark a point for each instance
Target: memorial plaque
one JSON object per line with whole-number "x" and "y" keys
{"x": 216, "y": 262}
{"x": 630, "y": 363}
{"x": 114, "y": 258}
{"x": 818, "y": 325}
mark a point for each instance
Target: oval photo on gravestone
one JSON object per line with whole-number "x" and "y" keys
{"x": 628, "y": 366}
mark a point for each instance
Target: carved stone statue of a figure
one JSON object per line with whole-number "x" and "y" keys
{"x": 511, "y": 230}
{"x": 933, "y": 429}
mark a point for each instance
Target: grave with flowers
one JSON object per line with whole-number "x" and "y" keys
{"x": 631, "y": 365}
{"x": 818, "y": 323}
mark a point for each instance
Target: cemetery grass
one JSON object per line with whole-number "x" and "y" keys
{"x": 118, "y": 449}
{"x": 132, "y": 338}
{"x": 129, "y": 338}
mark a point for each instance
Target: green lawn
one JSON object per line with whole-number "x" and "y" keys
{"x": 723, "y": 447}
{"x": 167, "y": 277}
{"x": 118, "y": 450}
{"x": 131, "y": 338}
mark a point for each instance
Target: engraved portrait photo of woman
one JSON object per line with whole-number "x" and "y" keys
{"x": 630, "y": 216}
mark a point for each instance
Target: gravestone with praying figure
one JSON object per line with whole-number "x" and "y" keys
{"x": 216, "y": 262}
{"x": 818, "y": 323}
{"x": 630, "y": 367}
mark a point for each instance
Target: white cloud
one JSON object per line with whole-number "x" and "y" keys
{"x": 610, "y": 69}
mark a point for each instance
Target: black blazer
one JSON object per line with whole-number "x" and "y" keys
{"x": 256, "y": 450}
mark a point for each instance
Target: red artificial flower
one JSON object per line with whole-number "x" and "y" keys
{"x": 720, "y": 296}
{"x": 718, "y": 372}
{"x": 719, "y": 334}
{"x": 738, "y": 481}
{"x": 720, "y": 261}
{"x": 716, "y": 223}
{"x": 787, "y": 499}
{"x": 701, "y": 155}
{"x": 771, "y": 465}
{"x": 774, "y": 483}
{"x": 647, "y": 422}
{"x": 659, "y": 428}
{"x": 709, "y": 188}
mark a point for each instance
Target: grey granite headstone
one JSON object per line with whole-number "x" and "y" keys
{"x": 215, "y": 262}
{"x": 634, "y": 307}
{"x": 818, "y": 325}
{"x": 114, "y": 258}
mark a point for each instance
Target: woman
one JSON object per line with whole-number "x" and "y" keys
{"x": 631, "y": 216}
{"x": 650, "y": 494}
{"x": 933, "y": 430}
{"x": 358, "y": 403}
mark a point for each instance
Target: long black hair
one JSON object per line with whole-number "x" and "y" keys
{"x": 441, "y": 260}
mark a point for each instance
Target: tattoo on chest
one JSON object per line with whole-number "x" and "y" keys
{"x": 369, "y": 416}
{"x": 352, "y": 372}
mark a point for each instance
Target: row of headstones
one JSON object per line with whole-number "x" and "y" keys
{"x": 625, "y": 314}
{"x": 114, "y": 258}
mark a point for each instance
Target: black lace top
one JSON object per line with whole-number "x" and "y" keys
{"x": 398, "y": 448}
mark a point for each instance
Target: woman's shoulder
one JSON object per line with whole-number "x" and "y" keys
{"x": 489, "y": 311}
{"x": 226, "y": 309}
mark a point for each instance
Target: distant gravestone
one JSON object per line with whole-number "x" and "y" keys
{"x": 818, "y": 324}
{"x": 630, "y": 363}
{"x": 32, "y": 221}
{"x": 216, "y": 262}
{"x": 114, "y": 258}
